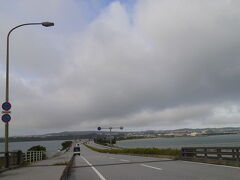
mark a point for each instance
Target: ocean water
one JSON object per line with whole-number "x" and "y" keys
{"x": 52, "y": 146}
{"x": 178, "y": 142}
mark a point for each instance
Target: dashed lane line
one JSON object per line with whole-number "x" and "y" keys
{"x": 151, "y": 167}
{"x": 124, "y": 160}
{"x": 96, "y": 171}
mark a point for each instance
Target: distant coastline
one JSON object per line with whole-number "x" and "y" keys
{"x": 124, "y": 135}
{"x": 202, "y": 135}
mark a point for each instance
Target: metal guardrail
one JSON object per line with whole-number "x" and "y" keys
{"x": 16, "y": 158}
{"x": 227, "y": 153}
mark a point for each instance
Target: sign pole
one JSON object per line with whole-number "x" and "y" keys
{"x": 6, "y": 145}
{"x": 7, "y": 100}
{"x": 110, "y": 137}
{"x": 6, "y": 106}
{"x": 110, "y": 128}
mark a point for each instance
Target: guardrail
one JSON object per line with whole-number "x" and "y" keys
{"x": 16, "y": 158}
{"x": 33, "y": 156}
{"x": 225, "y": 153}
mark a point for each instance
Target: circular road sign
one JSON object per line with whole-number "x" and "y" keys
{"x": 6, "y": 118}
{"x": 99, "y": 128}
{"x": 6, "y": 106}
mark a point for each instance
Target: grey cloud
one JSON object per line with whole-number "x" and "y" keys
{"x": 169, "y": 64}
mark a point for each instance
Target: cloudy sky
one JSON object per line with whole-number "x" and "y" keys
{"x": 141, "y": 64}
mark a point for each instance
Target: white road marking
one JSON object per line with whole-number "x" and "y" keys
{"x": 207, "y": 164}
{"x": 124, "y": 160}
{"x": 151, "y": 167}
{"x": 112, "y": 158}
{"x": 96, "y": 171}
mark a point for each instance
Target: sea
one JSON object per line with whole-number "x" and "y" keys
{"x": 179, "y": 142}
{"x": 51, "y": 146}
{"x": 173, "y": 142}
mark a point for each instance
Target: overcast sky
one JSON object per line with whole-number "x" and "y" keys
{"x": 141, "y": 64}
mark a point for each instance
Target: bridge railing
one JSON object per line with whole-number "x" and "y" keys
{"x": 227, "y": 153}
{"x": 16, "y": 158}
{"x": 33, "y": 156}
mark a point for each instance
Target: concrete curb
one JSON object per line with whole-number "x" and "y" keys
{"x": 67, "y": 169}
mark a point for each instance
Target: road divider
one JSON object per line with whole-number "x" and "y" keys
{"x": 67, "y": 169}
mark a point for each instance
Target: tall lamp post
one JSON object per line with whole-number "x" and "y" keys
{"x": 6, "y": 117}
{"x": 110, "y": 129}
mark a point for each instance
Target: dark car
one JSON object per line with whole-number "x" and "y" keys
{"x": 76, "y": 150}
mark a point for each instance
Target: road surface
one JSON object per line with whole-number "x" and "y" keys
{"x": 42, "y": 170}
{"x": 92, "y": 165}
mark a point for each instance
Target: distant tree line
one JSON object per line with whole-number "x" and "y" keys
{"x": 39, "y": 148}
{"x": 104, "y": 141}
{"x": 66, "y": 145}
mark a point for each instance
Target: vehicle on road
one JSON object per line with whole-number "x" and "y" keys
{"x": 76, "y": 150}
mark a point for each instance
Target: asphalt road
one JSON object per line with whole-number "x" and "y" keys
{"x": 92, "y": 165}
{"x": 46, "y": 169}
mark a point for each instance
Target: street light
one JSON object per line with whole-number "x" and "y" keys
{"x": 110, "y": 129}
{"x": 46, "y": 24}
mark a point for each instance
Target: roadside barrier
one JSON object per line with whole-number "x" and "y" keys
{"x": 67, "y": 169}
{"x": 221, "y": 153}
{"x": 33, "y": 156}
{"x": 17, "y": 158}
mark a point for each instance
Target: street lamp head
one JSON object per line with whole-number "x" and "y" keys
{"x": 47, "y": 24}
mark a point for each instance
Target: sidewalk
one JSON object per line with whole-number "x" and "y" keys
{"x": 42, "y": 170}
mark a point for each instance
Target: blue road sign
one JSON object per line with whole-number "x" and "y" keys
{"x": 6, "y": 106}
{"x": 99, "y": 128}
{"x": 6, "y": 118}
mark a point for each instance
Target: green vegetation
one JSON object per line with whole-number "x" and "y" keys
{"x": 139, "y": 151}
{"x": 66, "y": 145}
{"x": 104, "y": 142}
{"x": 37, "y": 148}
{"x": 134, "y": 138}
{"x": 64, "y": 163}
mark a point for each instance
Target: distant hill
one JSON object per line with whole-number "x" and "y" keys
{"x": 69, "y": 135}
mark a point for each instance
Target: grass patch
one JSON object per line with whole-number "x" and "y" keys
{"x": 139, "y": 151}
{"x": 61, "y": 163}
